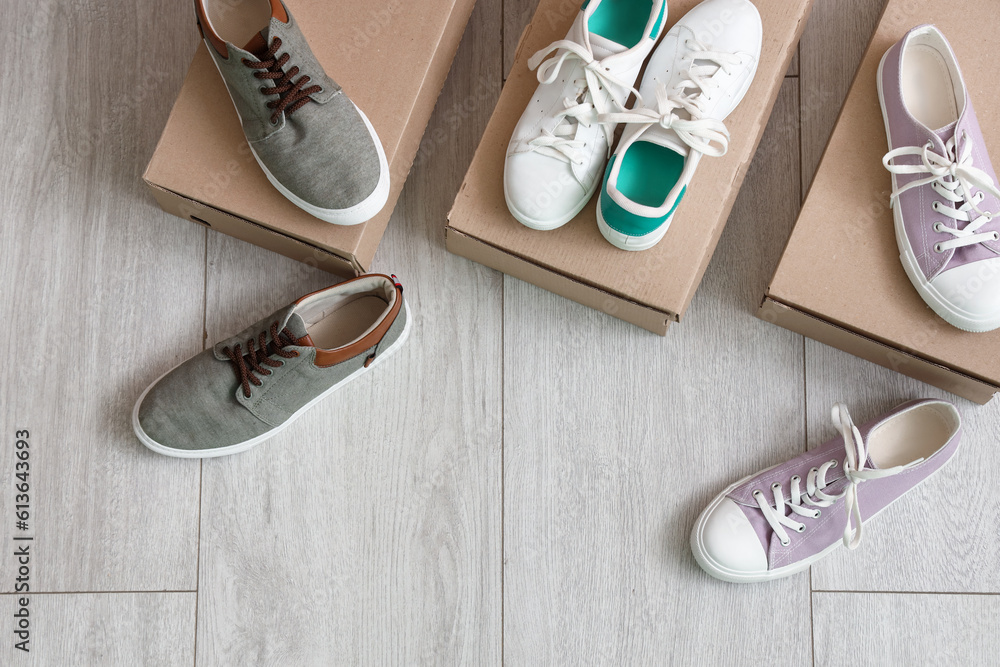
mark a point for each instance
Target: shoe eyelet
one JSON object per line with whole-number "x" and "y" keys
{"x": 938, "y": 227}
{"x": 785, "y": 543}
{"x": 938, "y": 249}
{"x": 833, "y": 463}
{"x": 801, "y": 528}
{"x": 776, "y": 486}
{"x": 796, "y": 478}
{"x": 935, "y": 206}
{"x": 817, "y": 514}
{"x": 996, "y": 236}
{"x": 757, "y": 493}
{"x": 263, "y": 89}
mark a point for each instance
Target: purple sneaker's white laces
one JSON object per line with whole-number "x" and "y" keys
{"x": 808, "y": 504}
{"x": 953, "y": 177}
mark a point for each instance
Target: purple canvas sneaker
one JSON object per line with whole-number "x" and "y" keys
{"x": 783, "y": 519}
{"x": 945, "y": 198}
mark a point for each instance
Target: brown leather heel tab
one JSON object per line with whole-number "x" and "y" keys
{"x": 278, "y": 11}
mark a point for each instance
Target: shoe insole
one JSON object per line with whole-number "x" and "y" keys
{"x": 649, "y": 172}
{"x": 237, "y": 24}
{"x": 623, "y": 21}
{"x": 928, "y": 89}
{"x": 349, "y": 322}
{"x": 917, "y": 434}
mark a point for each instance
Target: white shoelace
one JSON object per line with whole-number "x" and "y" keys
{"x": 705, "y": 135}
{"x": 807, "y": 504}
{"x": 952, "y": 176}
{"x": 584, "y": 108}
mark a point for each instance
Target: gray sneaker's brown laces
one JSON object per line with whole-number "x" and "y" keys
{"x": 291, "y": 96}
{"x": 260, "y": 354}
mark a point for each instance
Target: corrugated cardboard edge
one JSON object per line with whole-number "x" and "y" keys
{"x": 479, "y": 251}
{"x": 251, "y": 232}
{"x": 858, "y": 344}
{"x": 548, "y": 278}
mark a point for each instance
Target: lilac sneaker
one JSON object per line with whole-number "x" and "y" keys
{"x": 945, "y": 198}
{"x": 783, "y": 519}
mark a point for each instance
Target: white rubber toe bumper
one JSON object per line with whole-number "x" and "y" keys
{"x": 969, "y": 296}
{"x": 627, "y": 242}
{"x": 538, "y": 196}
{"x": 726, "y": 545}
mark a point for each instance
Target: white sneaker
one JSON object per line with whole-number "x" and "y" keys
{"x": 559, "y": 147}
{"x": 696, "y": 77}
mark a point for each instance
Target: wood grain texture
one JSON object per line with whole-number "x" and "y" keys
{"x": 105, "y": 292}
{"x": 516, "y": 16}
{"x": 942, "y": 535}
{"x": 82, "y": 630}
{"x": 889, "y": 630}
{"x": 832, "y": 45}
{"x": 793, "y": 67}
{"x": 616, "y": 439}
{"x": 369, "y": 531}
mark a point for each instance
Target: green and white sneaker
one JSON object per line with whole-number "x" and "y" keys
{"x": 698, "y": 74}
{"x": 558, "y": 150}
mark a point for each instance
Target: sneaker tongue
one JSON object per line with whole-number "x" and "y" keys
{"x": 258, "y": 43}
{"x": 946, "y": 132}
{"x": 666, "y": 138}
{"x": 602, "y": 47}
{"x": 298, "y": 329}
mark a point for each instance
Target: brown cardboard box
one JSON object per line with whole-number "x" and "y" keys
{"x": 651, "y": 288}
{"x": 391, "y": 57}
{"x": 840, "y": 280}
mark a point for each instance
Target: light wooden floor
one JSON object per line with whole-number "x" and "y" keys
{"x": 528, "y": 496}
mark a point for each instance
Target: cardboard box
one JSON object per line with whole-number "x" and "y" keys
{"x": 391, "y": 58}
{"x": 840, "y": 280}
{"x": 651, "y": 288}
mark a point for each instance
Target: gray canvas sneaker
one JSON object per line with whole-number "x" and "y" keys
{"x": 315, "y": 146}
{"x": 250, "y": 386}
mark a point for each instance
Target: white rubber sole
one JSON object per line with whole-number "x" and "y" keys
{"x": 247, "y": 444}
{"x": 626, "y": 242}
{"x": 719, "y": 571}
{"x": 354, "y": 215}
{"x": 548, "y": 226}
{"x": 930, "y": 294}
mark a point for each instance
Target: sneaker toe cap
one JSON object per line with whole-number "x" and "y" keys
{"x": 193, "y": 407}
{"x": 541, "y": 190}
{"x": 326, "y": 156}
{"x": 728, "y": 542}
{"x": 972, "y": 289}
